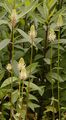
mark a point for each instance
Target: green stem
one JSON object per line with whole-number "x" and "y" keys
{"x": 22, "y": 90}
{"x": 12, "y": 58}
{"x": 12, "y": 40}
{"x": 14, "y": 3}
{"x": 19, "y": 96}
{"x": 46, "y": 40}
{"x": 28, "y": 89}
{"x": 52, "y": 81}
{"x": 30, "y": 67}
{"x": 12, "y": 44}
{"x": 19, "y": 87}
{"x": 58, "y": 72}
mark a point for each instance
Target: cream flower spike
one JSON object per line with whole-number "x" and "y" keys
{"x": 13, "y": 17}
{"x": 9, "y": 67}
{"x": 21, "y": 64}
{"x": 59, "y": 21}
{"x": 51, "y": 35}
{"x": 32, "y": 32}
{"x": 23, "y": 74}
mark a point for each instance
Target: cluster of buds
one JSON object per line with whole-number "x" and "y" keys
{"x": 13, "y": 18}
{"x": 9, "y": 67}
{"x": 32, "y": 33}
{"x": 22, "y": 69}
{"x": 59, "y": 21}
{"x": 51, "y": 35}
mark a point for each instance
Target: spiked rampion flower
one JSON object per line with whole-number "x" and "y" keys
{"x": 9, "y": 67}
{"x": 32, "y": 32}
{"x": 23, "y": 74}
{"x": 59, "y": 21}
{"x": 21, "y": 64}
{"x": 13, "y": 17}
{"x": 51, "y": 35}
{"x": 22, "y": 69}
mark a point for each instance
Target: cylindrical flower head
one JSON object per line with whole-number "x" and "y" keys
{"x": 21, "y": 64}
{"x": 9, "y": 67}
{"x": 32, "y": 32}
{"x": 23, "y": 74}
{"x": 51, "y": 35}
{"x": 13, "y": 17}
{"x": 60, "y": 21}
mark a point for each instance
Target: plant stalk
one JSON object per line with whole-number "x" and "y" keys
{"x": 14, "y": 3}
{"x": 31, "y": 55}
{"x": 12, "y": 40}
{"x": 19, "y": 87}
{"x": 30, "y": 64}
{"x": 46, "y": 40}
{"x": 22, "y": 90}
{"x": 58, "y": 73}
{"x": 52, "y": 81}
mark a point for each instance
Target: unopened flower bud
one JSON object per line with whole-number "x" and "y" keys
{"x": 59, "y": 21}
{"x": 9, "y": 67}
{"x": 21, "y": 64}
{"x": 32, "y": 32}
{"x": 13, "y": 17}
{"x": 23, "y": 74}
{"x": 51, "y": 35}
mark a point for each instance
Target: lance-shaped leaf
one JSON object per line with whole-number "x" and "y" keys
{"x": 32, "y": 105}
{"x": 5, "y": 22}
{"x": 27, "y": 9}
{"x": 9, "y": 81}
{"x": 5, "y": 6}
{"x": 23, "y": 34}
{"x": 4, "y": 43}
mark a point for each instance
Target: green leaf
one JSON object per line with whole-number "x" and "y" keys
{"x": 54, "y": 77}
{"x": 3, "y": 92}
{"x": 15, "y": 68}
{"x": 51, "y": 14}
{"x": 4, "y": 43}
{"x": 51, "y": 3}
{"x": 21, "y": 41}
{"x": 27, "y": 9}
{"x": 63, "y": 108}
{"x": 32, "y": 105}
{"x": 50, "y": 108}
{"x": 15, "y": 96}
{"x": 32, "y": 97}
{"x": 9, "y": 81}
{"x": 31, "y": 68}
{"x": 63, "y": 41}
{"x": 37, "y": 40}
{"x": 40, "y": 9}
{"x": 41, "y": 91}
{"x": 39, "y": 18}
{"x": 55, "y": 17}
{"x": 5, "y": 22}
{"x": 38, "y": 56}
{"x": 5, "y": 6}
{"x": 7, "y": 105}
{"x": 45, "y": 9}
{"x": 23, "y": 34}
{"x": 47, "y": 60}
{"x": 33, "y": 87}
